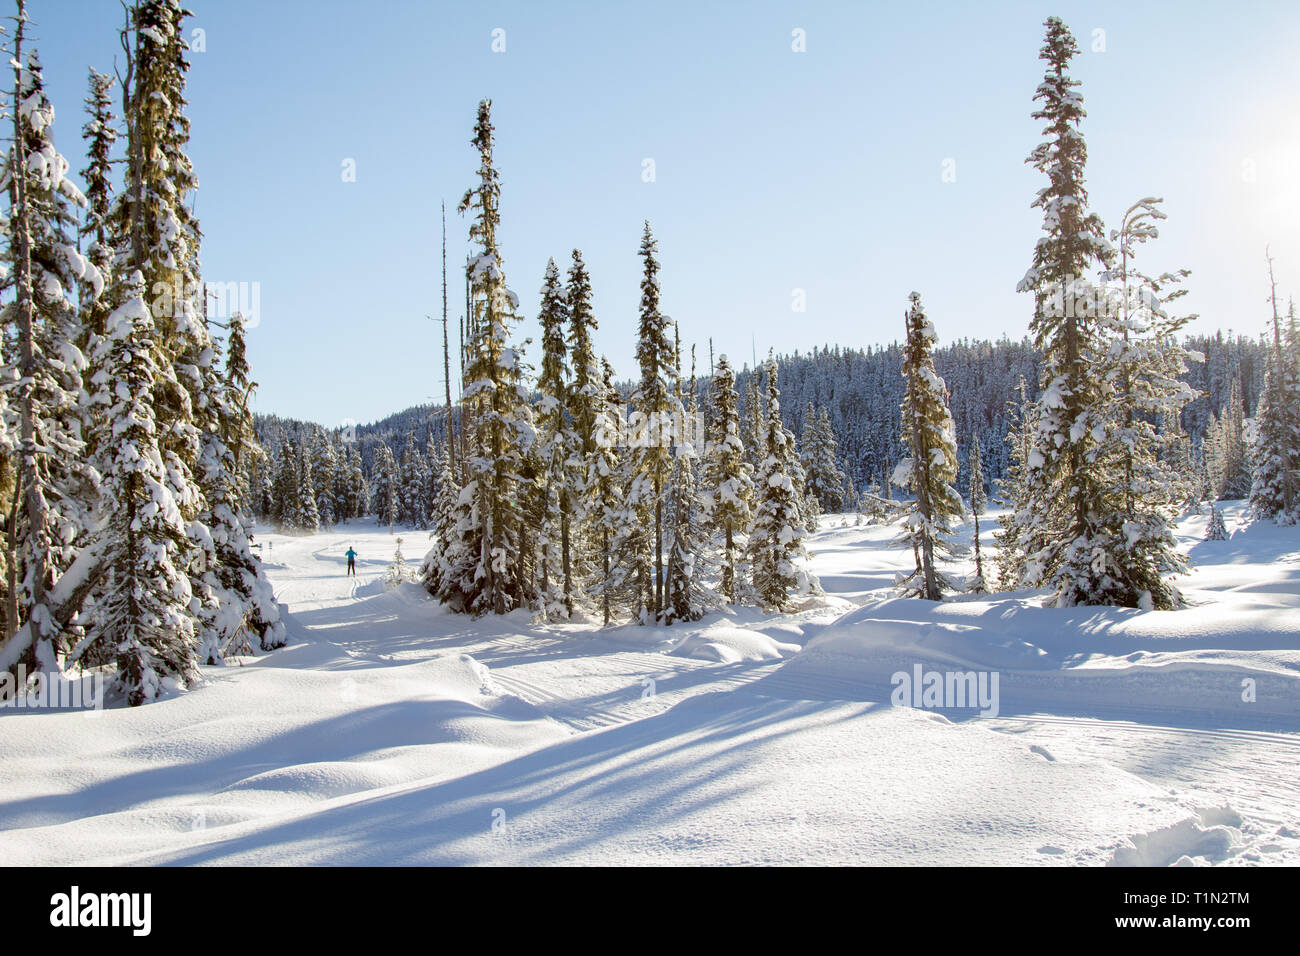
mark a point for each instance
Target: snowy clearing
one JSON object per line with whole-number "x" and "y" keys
{"x": 393, "y": 732}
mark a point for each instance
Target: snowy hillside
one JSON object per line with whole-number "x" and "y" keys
{"x": 390, "y": 731}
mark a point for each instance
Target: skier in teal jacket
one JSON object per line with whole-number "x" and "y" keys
{"x": 352, "y": 562}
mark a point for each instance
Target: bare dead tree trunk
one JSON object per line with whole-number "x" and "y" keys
{"x": 1288, "y": 480}
{"x": 604, "y": 549}
{"x": 446, "y": 355}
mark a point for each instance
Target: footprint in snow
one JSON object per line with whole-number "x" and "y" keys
{"x": 1042, "y": 752}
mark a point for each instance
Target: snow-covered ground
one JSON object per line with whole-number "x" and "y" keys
{"x": 392, "y": 732}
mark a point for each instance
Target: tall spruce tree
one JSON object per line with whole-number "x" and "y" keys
{"x": 1215, "y": 529}
{"x": 386, "y": 484}
{"x": 821, "y": 462}
{"x": 1057, "y": 526}
{"x": 308, "y": 514}
{"x": 284, "y": 490}
{"x": 53, "y": 482}
{"x": 930, "y": 471}
{"x": 432, "y": 471}
{"x": 586, "y": 411}
{"x": 158, "y": 237}
{"x": 487, "y": 575}
{"x": 1227, "y": 457}
{"x": 640, "y": 543}
{"x": 240, "y": 430}
{"x": 100, "y": 133}
{"x": 250, "y": 605}
{"x": 443, "y": 518}
{"x": 1143, "y": 369}
{"x": 358, "y": 489}
{"x": 1014, "y": 543}
{"x": 729, "y": 486}
{"x": 558, "y": 448}
{"x": 324, "y": 473}
{"x": 413, "y": 484}
{"x": 144, "y": 615}
{"x": 1275, "y": 485}
{"x": 776, "y": 543}
{"x": 755, "y": 436}
{"x": 686, "y": 597}
{"x": 604, "y": 486}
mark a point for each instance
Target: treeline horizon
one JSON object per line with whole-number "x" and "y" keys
{"x": 847, "y": 380}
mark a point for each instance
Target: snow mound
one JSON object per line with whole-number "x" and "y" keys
{"x": 1095, "y": 659}
{"x": 332, "y": 778}
{"x": 732, "y": 645}
{"x": 1209, "y": 837}
{"x": 864, "y": 633}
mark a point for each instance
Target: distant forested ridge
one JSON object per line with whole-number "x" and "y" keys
{"x": 862, "y": 390}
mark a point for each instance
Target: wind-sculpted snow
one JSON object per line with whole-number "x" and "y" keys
{"x": 1101, "y": 659}
{"x": 725, "y": 778}
{"x": 391, "y": 731}
{"x": 730, "y": 645}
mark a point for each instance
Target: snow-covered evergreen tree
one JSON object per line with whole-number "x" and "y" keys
{"x": 1275, "y": 486}
{"x": 413, "y": 486}
{"x": 809, "y": 509}
{"x": 324, "y": 473}
{"x": 1057, "y": 525}
{"x": 284, "y": 490}
{"x": 433, "y": 455}
{"x": 1200, "y": 483}
{"x": 602, "y": 481}
{"x": 161, "y": 545}
{"x": 587, "y": 413}
{"x": 558, "y": 448}
{"x": 357, "y": 490}
{"x": 728, "y": 484}
{"x": 1142, "y": 493}
{"x": 776, "y": 543}
{"x": 54, "y": 483}
{"x": 487, "y": 574}
{"x": 1216, "y": 530}
{"x": 161, "y": 241}
{"x": 399, "y": 572}
{"x": 821, "y": 461}
{"x": 385, "y": 482}
{"x": 241, "y": 433}
{"x": 308, "y": 519}
{"x": 930, "y": 471}
{"x": 1226, "y": 449}
{"x": 235, "y": 606}
{"x": 145, "y": 613}
{"x": 248, "y": 600}
{"x": 443, "y": 532}
{"x": 755, "y": 420}
{"x": 639, "y": 543}
{"x": 100, "y": 134}
{"x": 1175, "y": 450}
{"x": 158, "y": 235}
{"x": 686, "y": 596}
{"x": 978, "y": 505}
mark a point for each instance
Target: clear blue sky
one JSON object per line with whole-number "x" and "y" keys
{"x": 775, "y": 170}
